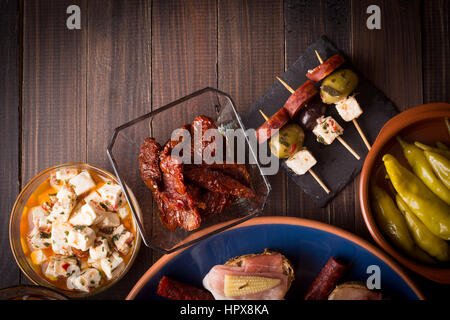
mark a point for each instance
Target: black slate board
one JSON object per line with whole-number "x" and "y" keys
{"x": 336, "y": 166}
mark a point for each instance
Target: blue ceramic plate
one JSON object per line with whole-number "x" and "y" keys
{"x": 307, "y": 244}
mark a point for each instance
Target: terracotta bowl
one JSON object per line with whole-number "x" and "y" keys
{"x": 424, "y": 123}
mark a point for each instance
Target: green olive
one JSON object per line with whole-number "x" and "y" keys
{"x": 338, "y": 86}
{"x": 287, "y": 141}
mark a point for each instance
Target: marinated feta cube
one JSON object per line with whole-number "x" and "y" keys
{"x": 122, "y": 239}
{"x": 40, "y": 239}
{"x": 99, "y": 250}
{"x": 59, "y": 238}
{"x": 327, "y": 129}
{"x": 112, "y": 195}
{"x": 93, "y": 196}
{"x": 38, "y": 257}
{"x": 110, "y": 219}
{"x": 81, "y": 237}
{"x": 40, "y": 218}
{"x": 87, "y": 215}
{"x": 123, "y": 212}
{"x": 112, "y": 265}
{"x": 87, "y": 280}
{"x": 62, "y": 176}
{"x": 301, "y": 161}
{"x": 348, "y": 108}
{"x": 66, "y": 201}
{"x": 61, "y": 267}
{"x": 82, "y": 183}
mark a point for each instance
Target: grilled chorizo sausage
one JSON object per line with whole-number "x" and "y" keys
{"x": 271, "y": 126}
{"x": 325, "y": 68}
{"x": 299, "y": 98}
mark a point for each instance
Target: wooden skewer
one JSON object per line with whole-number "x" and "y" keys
{"x": 285, "y": 85}
{"x": 310, "y": 170}
{"x": 361, "y": 133}
{"x": 353, "y": 152}
{"x": 318, "y": 57}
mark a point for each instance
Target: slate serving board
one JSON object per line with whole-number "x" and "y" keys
{"x": 336, "y": 165}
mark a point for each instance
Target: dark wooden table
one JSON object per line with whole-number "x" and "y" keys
{"x": 62, "y": 92}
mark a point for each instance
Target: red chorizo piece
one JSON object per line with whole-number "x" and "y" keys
{"x": 271, "y": 126}
{"x": 326, "y": 281}
{"x": 324, "y": 69}
{"x": 218, "y": 182}
{"x": 299, "y": 98}
{"x": 175, "y": 290}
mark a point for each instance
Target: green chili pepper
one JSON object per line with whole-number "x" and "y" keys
{"x": 432, "y": 211}
{"x": 440, "y": 165}
{"x": 423, "y": 170}
{"x": 434, "y": 246}
{"x": 441, "y": 145}
{"x": 425, "y": 147}
{"x": 392, "y": 223}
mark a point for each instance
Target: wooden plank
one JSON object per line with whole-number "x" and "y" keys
{"x": 436, "y": 50}
{"x": 9, "y": 132}
{"x": 118, "y": 90}
{"x": 250, "y": 48}
{"x": 54, "y": 88}
{"x": 184, "y": 57}
{"x": 390, "y": 57}
{"x": 305, "y": 22}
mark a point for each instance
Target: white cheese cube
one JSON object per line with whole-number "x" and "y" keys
{"x": 66, "y": 201}
{"x": 301, "y": 161}
{"x": 40, "y": 239}
{"x": 87, "y": 215}
{"x": 99, "y": 250}
{"x": 327, "y": 129}
{"x": 112, "y": 265}
{"x": 82, "y": 183}
{"x": 38, "y": 257}
{"x": 61, "y": 177}
{"x": 110, "y": 219}
{"x": 81, "y": 237}
{"x": 40, "y": 218}
{"x": 93, "y": 196}
{"x": 61, "y": 267}
{"x": 86, "y": 281}
{"x": 122, "y": 239}
{"x": 123, "y": 212}
{"x": 112, "y": 195}
{"x": 59, "y": 238}
{"x": 348, "y": 108}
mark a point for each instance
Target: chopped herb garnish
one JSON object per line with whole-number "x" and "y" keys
{"x": 79, "y": 228}
{"x": 103, "y": 206}
{"x": 45, "y": 235}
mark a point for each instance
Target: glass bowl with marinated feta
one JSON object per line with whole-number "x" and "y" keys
{"x": 71, "y": 229}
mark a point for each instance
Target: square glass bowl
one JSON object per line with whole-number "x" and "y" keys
{"x": 123, "y": 152}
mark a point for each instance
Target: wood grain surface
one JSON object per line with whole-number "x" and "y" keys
{"x": 9, "y": 133}
{"x": 62, "y": 92}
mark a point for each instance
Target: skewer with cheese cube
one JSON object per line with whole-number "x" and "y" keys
{"x": 301, "y": 162}
{"x": 331, "y": 135}
{"x": 349, "y": 109}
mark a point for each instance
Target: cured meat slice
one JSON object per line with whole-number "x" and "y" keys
{"x": 218, "y": 182}
{"x": 264, "y": 263}
{"x": 215, "y": 282}
{"x": 175, "y": 290}
{"x": 327, "y": 279}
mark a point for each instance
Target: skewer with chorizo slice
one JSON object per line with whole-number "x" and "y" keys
{"x": 327, "y": 129}
{"x": 300, "y": 159}
{"x": 337, "y": 87}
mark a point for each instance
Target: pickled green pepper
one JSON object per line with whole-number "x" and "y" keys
{"x": 440, "y": 165}
{"x": 432, "y": 211}
{"x": 434, "y": 246}
{"x": 422, "y": 168}
{"x": 392, "y": 223}
{"x": 425, "y": 147}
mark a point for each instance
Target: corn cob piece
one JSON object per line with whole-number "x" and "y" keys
{"x": 243, "y": 285}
